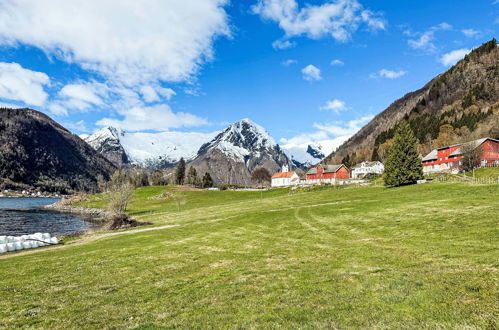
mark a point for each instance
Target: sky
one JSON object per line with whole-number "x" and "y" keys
{"x": 314, "y": 71}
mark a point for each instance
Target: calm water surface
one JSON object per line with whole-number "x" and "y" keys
{"x": 22, "y": 215}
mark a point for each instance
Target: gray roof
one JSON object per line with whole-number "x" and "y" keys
{"x": 478, "y": 142}
{"x": 431, "y": 156}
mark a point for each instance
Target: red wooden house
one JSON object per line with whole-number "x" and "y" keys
{"x": 328, "y": 174}
{"x": 449, "y": 159}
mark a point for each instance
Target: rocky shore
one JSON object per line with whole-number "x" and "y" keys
{"x": 79, "y": 210}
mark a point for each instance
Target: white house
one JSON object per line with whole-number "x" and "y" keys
{"x": 285, "y": 178}
{"x": 362, "y": 169}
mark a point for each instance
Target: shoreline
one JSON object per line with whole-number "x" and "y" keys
{"x": 77, "y": 210}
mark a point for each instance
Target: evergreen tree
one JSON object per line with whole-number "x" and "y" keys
{"x": 375, "y": 154}
{"x": 192, "y": 176}
{"x": 180, "y": 172}
{"x": 207, "y": 180}
{"x": 403, "y": 165}
{"x": 346, "y": 161}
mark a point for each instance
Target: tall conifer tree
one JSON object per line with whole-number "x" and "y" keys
{"x": 403, "y": 164}
{"x": 180, "y": 172}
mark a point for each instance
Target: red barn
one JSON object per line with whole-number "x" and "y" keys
{"x": 328, "y": 173}
{"x": 449, "y": 159}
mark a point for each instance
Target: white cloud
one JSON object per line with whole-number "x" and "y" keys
{"x": 330, "y": 136}
{"x": 341, "y": 128}
{"x": 389, "y": 74}
{"x": 58, "y": 109}
{"x": 84, "y": 93}
{"x": 311, "y": 73}
{"x": 454, "y": 56}
{"x": 425, "y": 40}
{"x": 76, "y": 126}
{"x": 157, "y": 118}
{"x": 470, "y": 33}
{"x": 124, "y": 40}
{"x": 337, "y": 62}
{"x": 283, "y": 44}
{"x": 20, "y": 84}
{"x": 335, "y": 106}
{"x": 337, "y": 19}
{"x": 289, "y": 62}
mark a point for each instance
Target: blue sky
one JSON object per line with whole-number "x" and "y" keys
{"x": 306, "y": 71}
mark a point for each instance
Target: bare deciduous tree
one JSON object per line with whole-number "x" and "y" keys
{"x": 472, "y": 153}
{"x": 261, "y": 175}
{"x": 119, "y": 192}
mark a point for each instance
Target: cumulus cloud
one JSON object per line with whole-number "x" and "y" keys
{"x": 329, "y": 135}
{"x": 283, "y": 44}
{"x": 123, "y": 40}
{"x": 337, "y": 62}
{"x": 454, "y": 56}
{"x": 337, "y": 19}
{"x": 335, "y": 106}
{"x": 157, "y": 118}
{"x": 289, "y": 62}
{"x": 341, "y": 128}
{"x": 425, "y": 40}
{"x": 20, "y": 84}
{"x": 389, "y": 74}
{"x": 311, "y": 73}
{"x": 470, "y": 33}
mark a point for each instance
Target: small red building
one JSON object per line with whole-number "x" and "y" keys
{"x": 449, "y": 158}
{"x": 328, "y": 173}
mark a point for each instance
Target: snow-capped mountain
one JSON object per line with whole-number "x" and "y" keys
{"x": 153, "y": 150}
{"x": 306, "y": 155}
{"x": 234, "y": 153}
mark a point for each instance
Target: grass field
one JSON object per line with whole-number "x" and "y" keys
{"x": 423, "y": 256}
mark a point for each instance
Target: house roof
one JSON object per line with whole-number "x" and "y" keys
{"x": 327, "y": 169}
{"x": 283, "y": 175}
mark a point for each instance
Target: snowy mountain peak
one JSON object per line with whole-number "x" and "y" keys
{"x": 241, "y": 139}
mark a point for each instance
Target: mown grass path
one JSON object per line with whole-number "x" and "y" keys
{"x": 423, "y": 256}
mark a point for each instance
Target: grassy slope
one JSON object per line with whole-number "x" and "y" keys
{"x": 419, "y": 256}
{"x": 487, "y": 172}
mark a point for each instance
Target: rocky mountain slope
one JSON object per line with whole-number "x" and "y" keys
{"x": 37, "y": 152}
{"x": 234, "y": 153}
{"x": 458, "y": 105}
{"x": 150, "y": 150}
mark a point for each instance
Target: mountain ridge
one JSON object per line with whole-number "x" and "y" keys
{"x": 462, "y": 97}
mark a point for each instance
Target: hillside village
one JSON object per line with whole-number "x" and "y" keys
{"x": 449, "y": 159}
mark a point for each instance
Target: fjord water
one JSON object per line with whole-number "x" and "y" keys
{"x": 23, "y": 215}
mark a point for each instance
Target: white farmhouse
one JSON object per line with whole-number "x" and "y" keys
{"x": 362, "y": 169}
{"x": 285, "y": 178}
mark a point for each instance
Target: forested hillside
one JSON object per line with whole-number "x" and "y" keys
{"x": 36, "y": 152}
{"x": 459, "y": 105}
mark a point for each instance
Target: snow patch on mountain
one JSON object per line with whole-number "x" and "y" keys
{"x": 240, "y": 140}
{"x": 310, "y": 153}
{"x": 142, "y": 148}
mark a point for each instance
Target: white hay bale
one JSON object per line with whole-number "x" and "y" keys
{"x": 3, "y": 239}
{"x": 38, "y": 236}
{"x": 27, "y": 245}
{"x": 45, "y": 236}
{"x": 3, "y": 248}
{"x": 54, "y": 240}
{"x": 10, "y": 247}
{"x": 18, "y": 246}
{"x": 10, "y": 239}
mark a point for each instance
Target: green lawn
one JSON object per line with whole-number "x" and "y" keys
{"x": 423, "y": 256}
{"x": 487, "y": 172}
